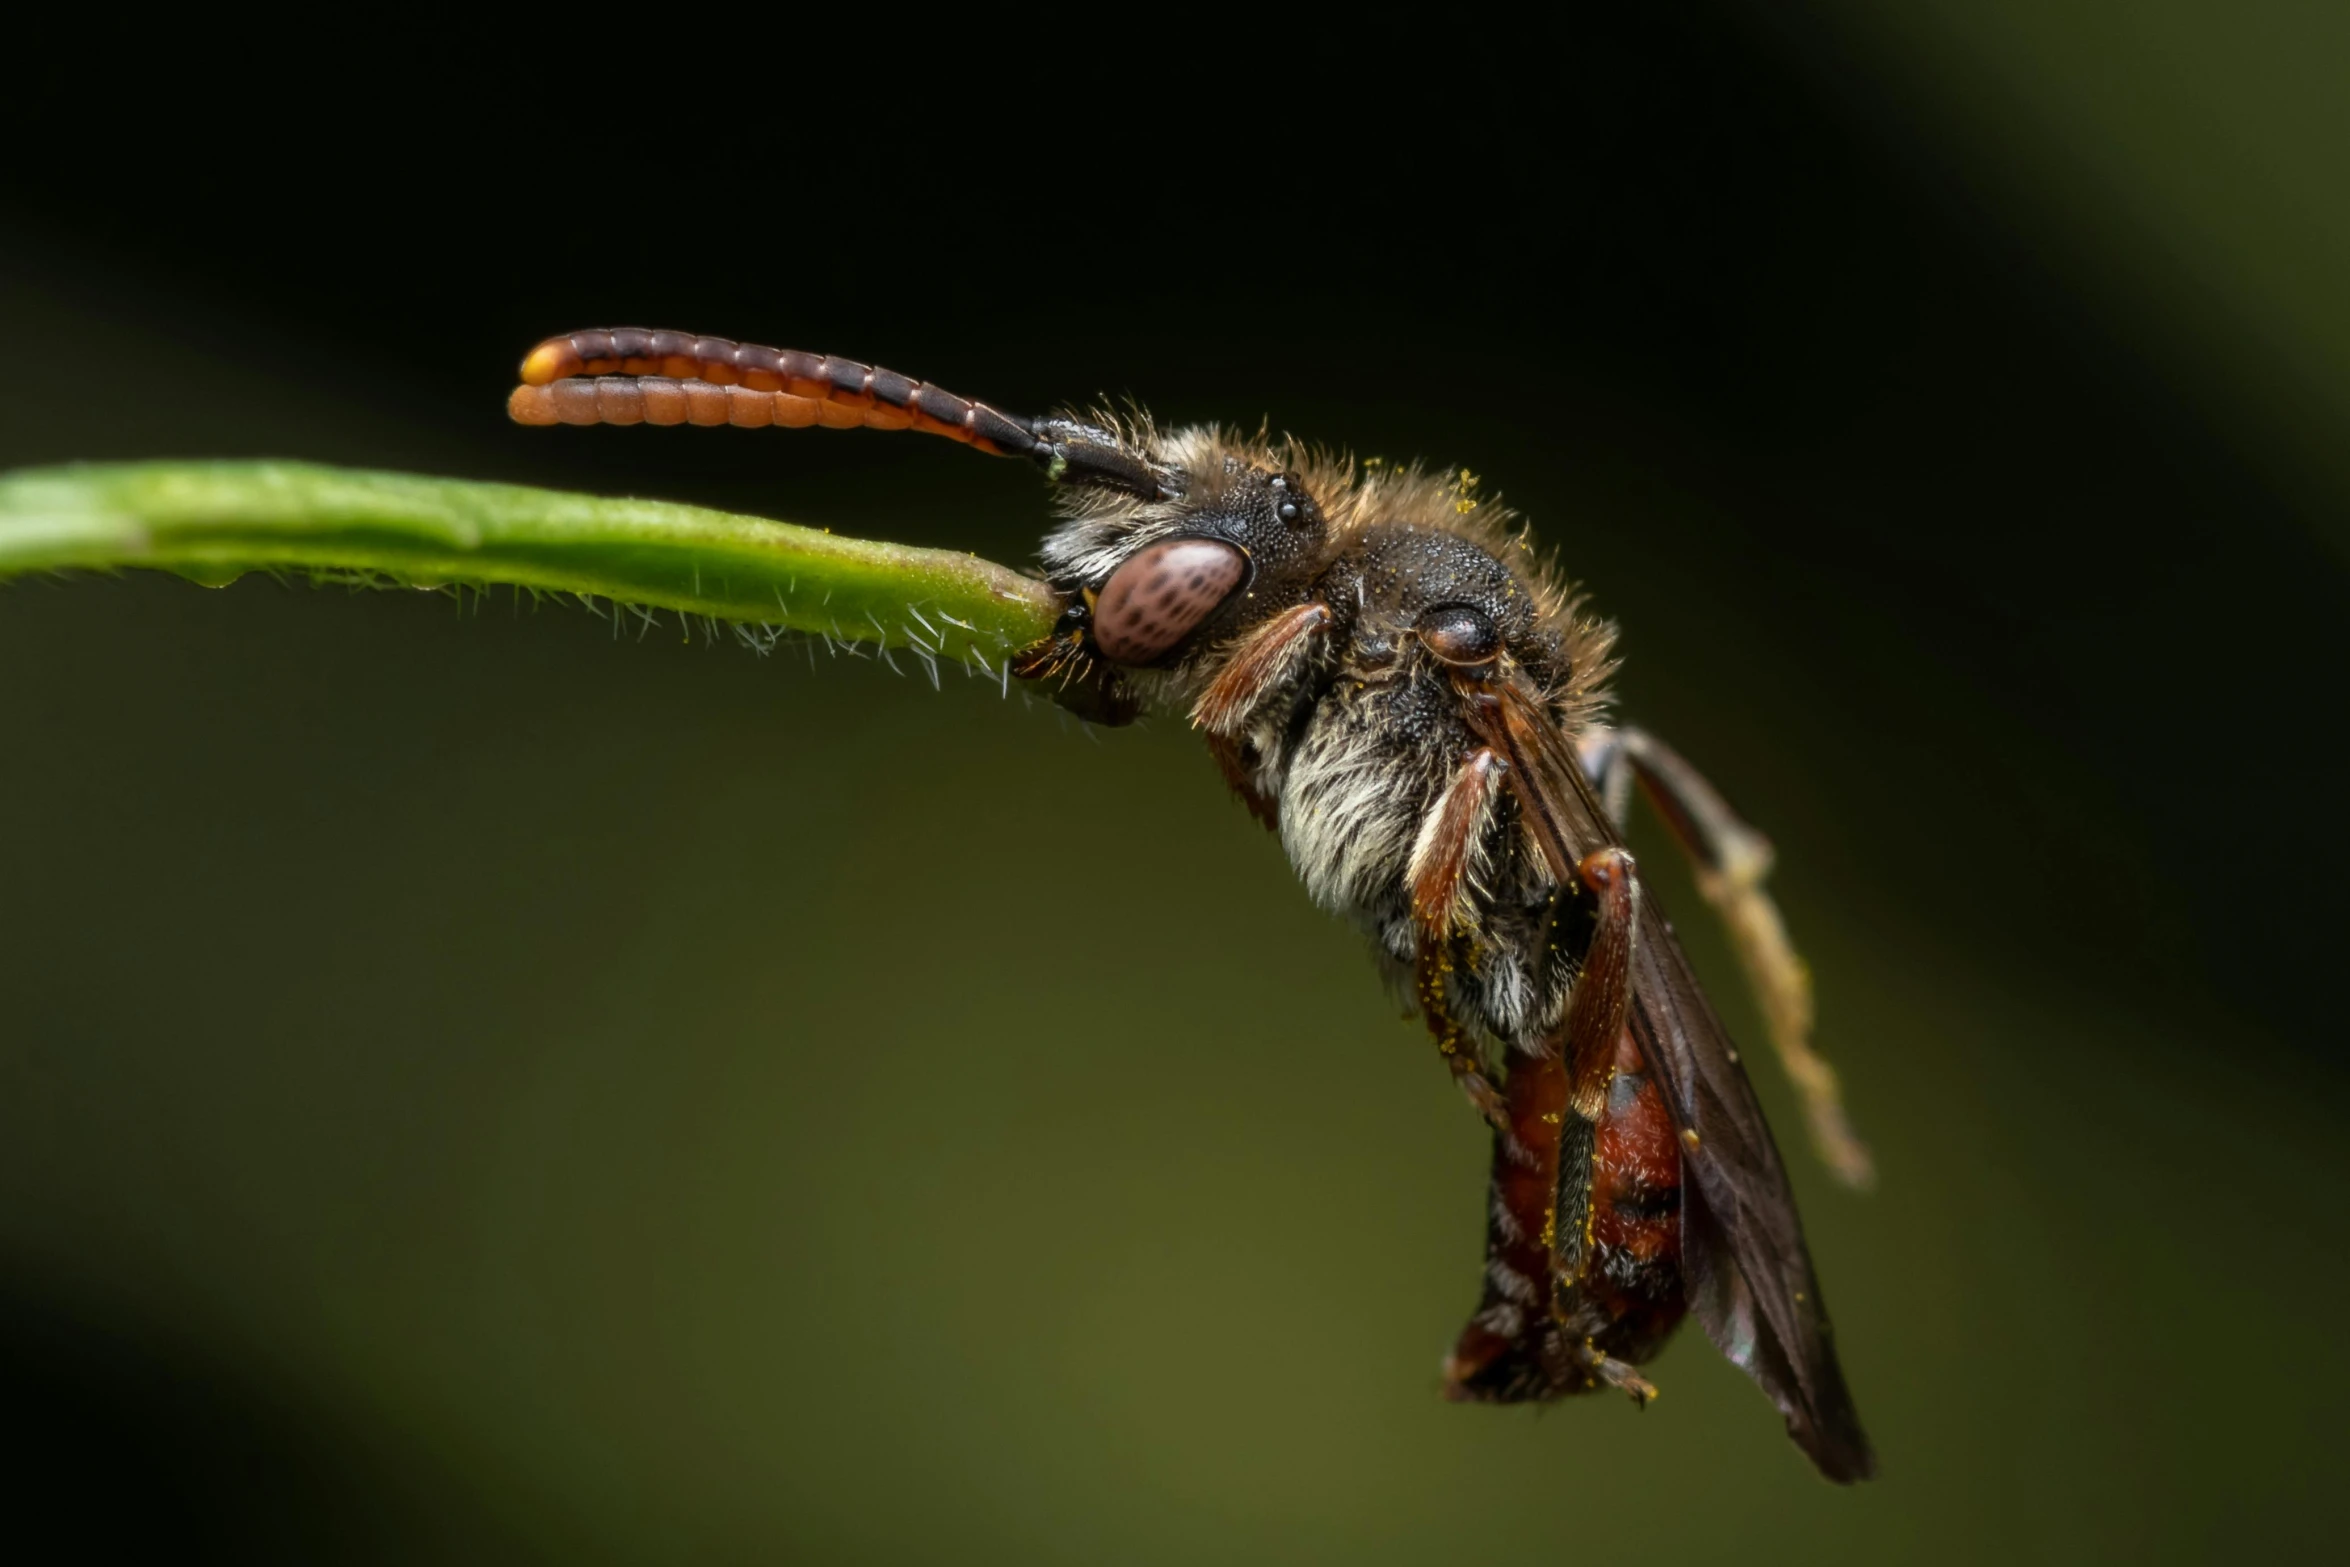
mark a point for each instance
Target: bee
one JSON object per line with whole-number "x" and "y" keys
{"x": 1392, "y": 681}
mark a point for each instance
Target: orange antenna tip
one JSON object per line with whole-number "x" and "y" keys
{"x": 552, "y": 360}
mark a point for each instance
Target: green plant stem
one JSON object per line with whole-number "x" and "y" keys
{"x": 214, "y": 521}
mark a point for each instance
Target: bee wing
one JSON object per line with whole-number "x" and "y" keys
{"x": 1748, "y": 1272}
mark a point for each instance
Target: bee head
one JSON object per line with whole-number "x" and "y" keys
{"x": 1166, "y": 574}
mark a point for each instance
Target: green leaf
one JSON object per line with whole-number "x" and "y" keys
{"x": 212, "y": 522}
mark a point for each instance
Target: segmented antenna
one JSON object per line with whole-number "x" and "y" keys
{"x": 630, "y": 375}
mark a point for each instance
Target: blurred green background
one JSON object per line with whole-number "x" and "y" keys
{"x": 472, "y": 1088}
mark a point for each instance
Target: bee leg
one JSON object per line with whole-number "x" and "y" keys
{"x": 1237, "y": 761}
{"x": 1442, "y": 869}
{"x": 1453, "y": 1039}
{"x": 1732, "y": 861}
{"x": 1586, "y": 1046}
{"x": 1603, "y": 988}
{"x": 1618, "y": 1374}
{"x": 1595, "y": 1044}
{"x": 1538, "y": 1329}
{"x": 1521, "y": 1346}
{"x": 1076, "y": 679}
{"x": 1264, "y": 662}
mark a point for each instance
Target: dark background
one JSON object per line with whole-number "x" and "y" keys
{"x": 478, "y": 1088}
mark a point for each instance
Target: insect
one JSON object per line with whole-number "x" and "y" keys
{"x": 1395, "y": 684}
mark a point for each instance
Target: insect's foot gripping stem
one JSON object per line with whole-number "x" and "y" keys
{"x": 1073, "y": 677}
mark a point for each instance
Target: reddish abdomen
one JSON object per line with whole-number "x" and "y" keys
{"x": 1633, "y": 1279}
{"x": 1531, "y": 1336}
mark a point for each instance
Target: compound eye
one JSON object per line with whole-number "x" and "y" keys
{"x": 1157, "y": 597}
{"x": 1459, "y": 634}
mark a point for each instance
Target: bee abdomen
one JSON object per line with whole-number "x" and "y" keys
{"x": 1634, "y": 1279}
{"x": 1628, "y": 1295}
